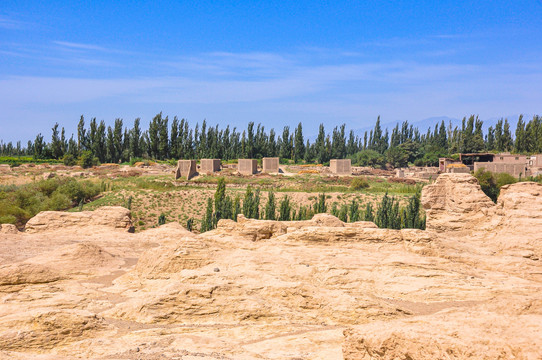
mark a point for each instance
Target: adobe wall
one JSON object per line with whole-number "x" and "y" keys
{"x": 270, "y": 164}
{"x": 186, "y": 168}
{"x": 458, "y": 170}
{"x": 340, "y": 166}
{"x": 535, "y": 161}
{"x": 510, "y": 168}
{"x": 247, "y": 166}
{"x": 510, "y": 159}
{"x": 209, "y": 166}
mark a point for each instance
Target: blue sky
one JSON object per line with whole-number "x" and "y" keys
{"x": 277, "y": 63}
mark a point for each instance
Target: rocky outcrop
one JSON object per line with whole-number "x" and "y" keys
{"x": 254, "y": 289}
{"x": 114, "y": 217}
{"x": 17, "y": 274}
{"x": 8, "y": 229}
{"x": 251, "y": 229}
{"x": 471, "y": 333}
{"x": 185, "y": 253}
{"x": 455, "y": 202}
{"x": 38, "y": 330}
{"x": 520, "y": 206}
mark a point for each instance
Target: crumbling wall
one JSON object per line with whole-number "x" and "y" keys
{"x": 186, "y": 168}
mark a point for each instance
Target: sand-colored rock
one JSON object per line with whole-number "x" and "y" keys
{"x": 255, "y": 289}
{"x": 8, "y": 229}
{"x": 17, "y": 274}
{"x": 109, "y": 216}
{"x": 455, "y": 202}
{"x": 39, "y": 330}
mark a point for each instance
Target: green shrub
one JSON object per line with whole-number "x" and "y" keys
{"x": 504, "y": 179}
{"x": 162, "y": 219}
{"x": 59, "y": 201}
{"x": 79, "y": 190}
{"x": 69, "y": 160}
{"x": 87, "y": 159}
{"x": 359, "y": 183}
{"x": 488, "y": 183}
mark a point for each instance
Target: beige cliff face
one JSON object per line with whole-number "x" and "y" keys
{"x": 79, "y": 285}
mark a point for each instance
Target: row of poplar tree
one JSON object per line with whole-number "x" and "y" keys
{"x": 388, "y": 213}
{"x": 178, "y": 140}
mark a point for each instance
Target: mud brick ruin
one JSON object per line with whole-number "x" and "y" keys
{"x": 186, "y": 168}
{"x": 270, "y": 164}
{"x": 209, "y": 166}
{"x": 247, "y": 166}
{"x": 340, "y": 166}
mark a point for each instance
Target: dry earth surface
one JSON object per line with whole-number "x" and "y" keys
{"x": 80, "y": 285}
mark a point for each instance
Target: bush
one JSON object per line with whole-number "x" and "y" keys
{"x": 162, "y": 219}
{"x": 504, "y": 179}
{"x": 488, "y": 183}
{"x": 359, "y": 183}
{"x": 87, "y": 159}
{"x": 78, "y": 191}
{"x": 69, "y": 160}
{"x": 59, "y": 201}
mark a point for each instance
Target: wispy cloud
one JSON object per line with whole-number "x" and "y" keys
{"x": 10, "y": 23}
{"x": 79, "y": 46}
{"x": 232, "y": 87}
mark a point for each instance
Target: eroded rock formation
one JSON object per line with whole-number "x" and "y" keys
{"x": 74, "y": 286}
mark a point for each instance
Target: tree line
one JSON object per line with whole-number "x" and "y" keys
{"x": 388, "y": 213}
{"x": 176, "y": 139}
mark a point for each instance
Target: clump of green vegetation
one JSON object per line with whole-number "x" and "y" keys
{"x": 162, "y": 219}
{"x": 359, "y": 183}
{"x": 19, "y": 203}
{"x": 491, "y": 183}
{"x": 87, "y": 159}
{"x": 389, "y": 214}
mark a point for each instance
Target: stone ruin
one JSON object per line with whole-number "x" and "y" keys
{"x": 186, "y": 168}
{"x": 270, "y": 164}
{"x": 340, "y": 166}
{"x": 247, "y": 166}
{"x": 209, "y": 166}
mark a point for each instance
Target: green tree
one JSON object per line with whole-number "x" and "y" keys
{"x": 320, "y": 205}
{"x": 343, "y": 213}
{"x": 251, "y": 203}
{"x": 223, "y": 203}
{"x": 299, "y": 145}
{"x": 270, "y": 207}
{"x": 285, "y": 209}
{"x": 207, "y": 222}
{"x": 353, "y": 211}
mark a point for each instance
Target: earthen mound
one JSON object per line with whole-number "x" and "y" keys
{"x": 82, "y": 258}
{"x": 455, "y": 202}
{"x": 115, "y": 217}
{"x": 161, "y": 262}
